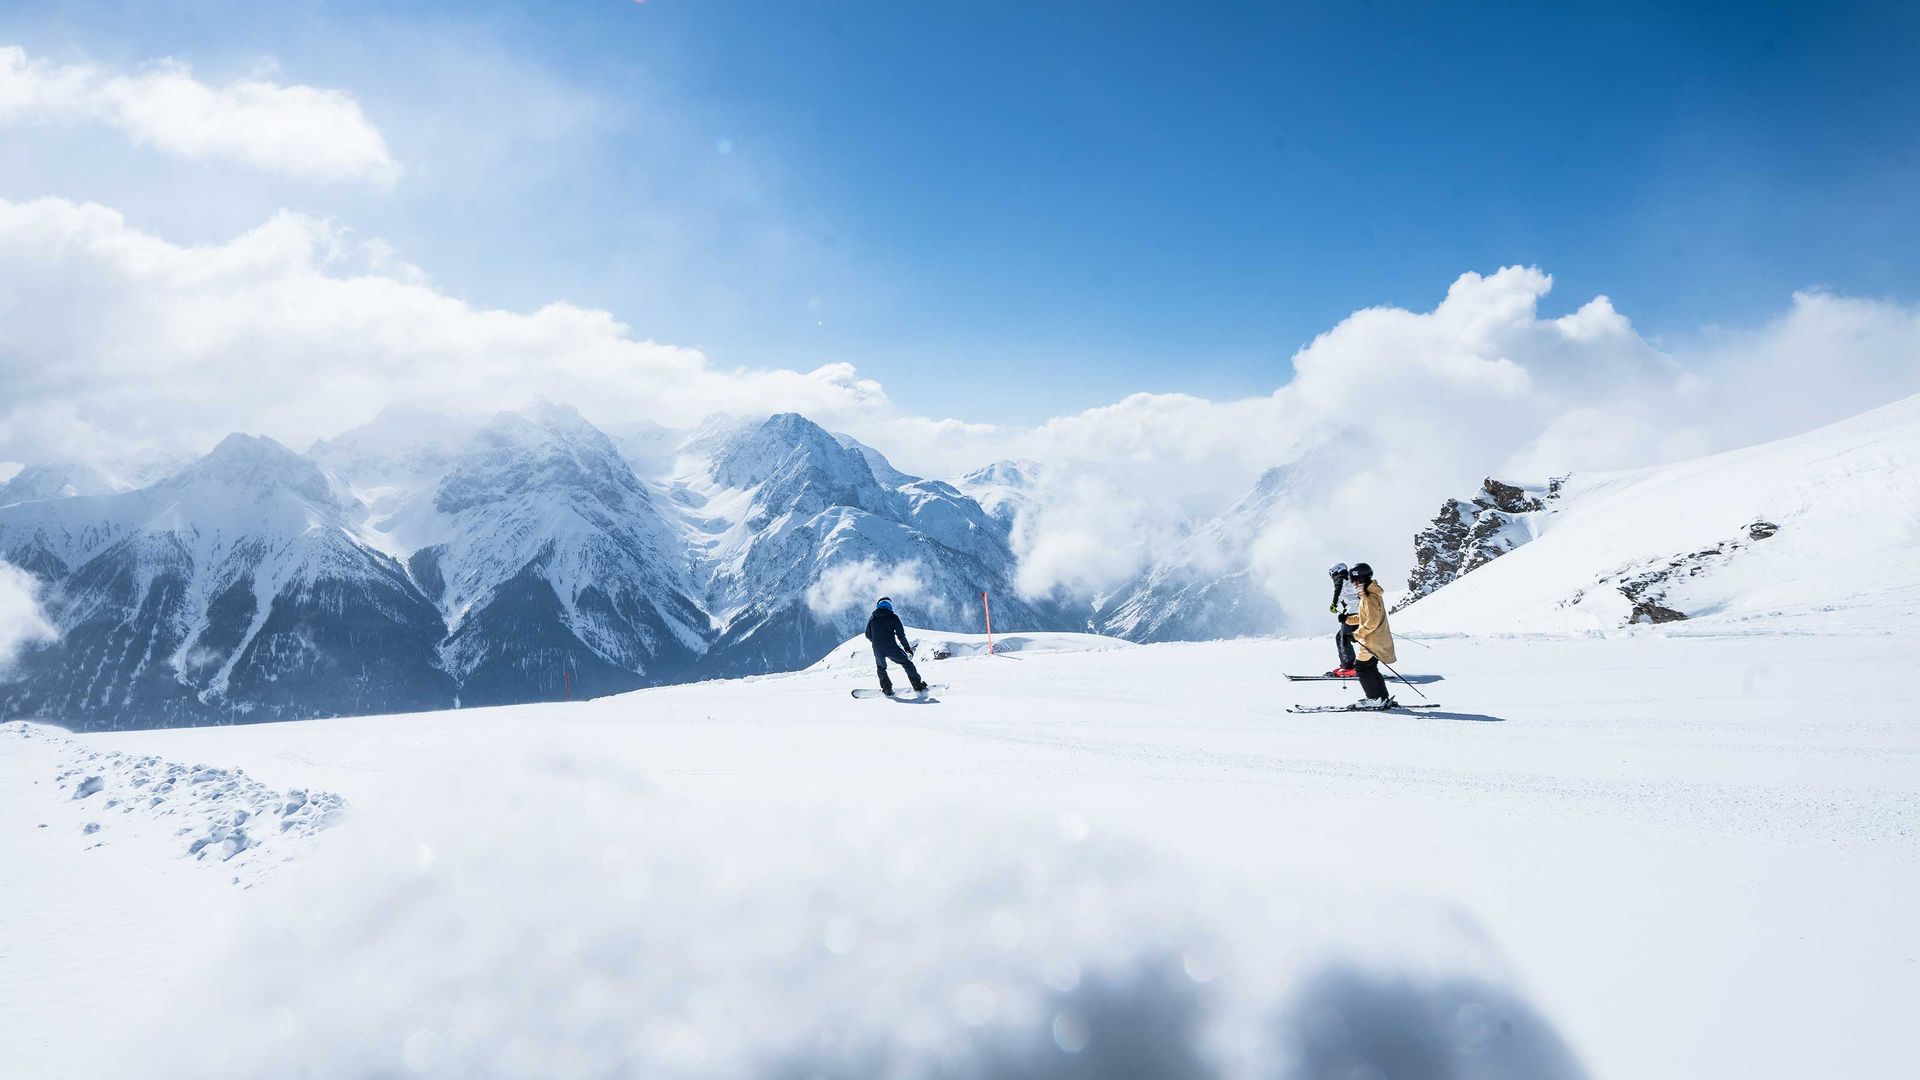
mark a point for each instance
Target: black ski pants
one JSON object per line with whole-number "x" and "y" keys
{"x": 1343, "y": 642}
{"x": 1371, "y": 681}
{"x": 884, "y": 651}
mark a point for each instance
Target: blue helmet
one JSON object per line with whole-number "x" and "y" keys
{"x": 884, "y": 603}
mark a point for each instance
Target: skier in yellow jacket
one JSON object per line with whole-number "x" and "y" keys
{"x": 1372, "y": 637}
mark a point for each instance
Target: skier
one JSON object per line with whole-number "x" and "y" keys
{"x": 1346, "y": 601}
{"x": 889, "y": 640}
{"x": 1374, "y": 636}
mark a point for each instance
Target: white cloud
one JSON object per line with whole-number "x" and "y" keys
{"x": 301, "y": 131}
{"x": 858, "y": 584}
{"x": 21, "y": 621}
{"x": 1393, "y": 410}
{"x": 298, "y": 330}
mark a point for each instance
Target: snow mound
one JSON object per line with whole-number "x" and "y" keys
{"x": 1817, "y": 533}
{"x": 679, "y": 938}
{"x": 217, "y": 816}
{"x": 855, "y": 654}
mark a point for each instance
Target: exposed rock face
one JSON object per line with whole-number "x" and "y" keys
{"x": 1468, "y": 534}
{"x": 1649, "y": 586}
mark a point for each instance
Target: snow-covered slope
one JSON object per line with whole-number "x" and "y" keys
{"x": 1656, "y": 858}
{"x": 1817, "y": 532}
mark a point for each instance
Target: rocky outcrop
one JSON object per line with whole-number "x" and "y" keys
{"x": 1650, "y": 586}
{"x": 1469, "y": 533}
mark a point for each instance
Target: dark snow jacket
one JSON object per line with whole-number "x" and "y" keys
{"x": 884, "y": 628}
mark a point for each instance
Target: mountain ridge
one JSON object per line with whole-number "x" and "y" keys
{"x": 433, "y": 561}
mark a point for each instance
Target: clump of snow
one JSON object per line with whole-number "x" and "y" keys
{"x": 216, "y": 815}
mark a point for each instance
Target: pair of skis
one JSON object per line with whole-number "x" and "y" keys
{"x": 1358, "y": 706}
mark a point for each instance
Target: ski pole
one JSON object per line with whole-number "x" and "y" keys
{"x": 1401, "y": 677}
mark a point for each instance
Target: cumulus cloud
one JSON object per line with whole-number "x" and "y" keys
{"x": 858, "y": 584}
{"x": 21, "y": 621}
{"x": 301, "y": 131}
{"x": 1393, "y": 410}
{"x": 299, "y": 329}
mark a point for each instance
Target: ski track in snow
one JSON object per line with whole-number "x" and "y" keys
{"x": 218, "y": 817}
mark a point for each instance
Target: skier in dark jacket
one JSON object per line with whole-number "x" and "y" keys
{"x": 1346, "y": 601}
{"x": 889, "y": 640}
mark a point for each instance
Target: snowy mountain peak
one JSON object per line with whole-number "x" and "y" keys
{"x": 552, "y": 450}
{"x": 400, "y": 445}
{"x": 784, "y": 443}
{"x": 253, "y": 465}
{"x": 1005, "y": 489}
{"x": 434, "y": 558}
{"x": 1016, "y": 472}
{"x": 883, "y": 469}
{"x": 57, "y": 480}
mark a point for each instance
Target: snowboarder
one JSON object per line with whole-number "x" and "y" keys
{"x": 889, "y": 640}
{"x": 1374, "y": 637}
{"x": 1346, "y": 601}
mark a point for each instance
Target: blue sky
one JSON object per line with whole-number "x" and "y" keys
{"x": 1013, "y": 211}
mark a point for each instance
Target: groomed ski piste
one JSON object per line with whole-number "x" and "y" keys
{"x": 1660, "y": 853}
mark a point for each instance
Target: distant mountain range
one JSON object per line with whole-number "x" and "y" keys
{"x": 424, "y": 562}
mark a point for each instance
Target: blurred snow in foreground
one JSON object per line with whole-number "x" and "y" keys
{"x": 1649, "y": 856}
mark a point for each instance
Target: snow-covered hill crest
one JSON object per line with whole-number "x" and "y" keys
{"x": 1820, "y": 532}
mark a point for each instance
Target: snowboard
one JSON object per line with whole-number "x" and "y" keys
{"x": 874, "y": 691}
{"x": 1358, "y": 708}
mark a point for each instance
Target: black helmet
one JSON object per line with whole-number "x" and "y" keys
{"x": 1361, "y": 572}
{"x": 1337, "y": 571}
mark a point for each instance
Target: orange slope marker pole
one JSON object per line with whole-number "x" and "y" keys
{"x": 987, "y": 607}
